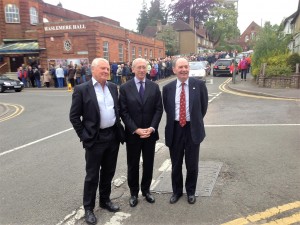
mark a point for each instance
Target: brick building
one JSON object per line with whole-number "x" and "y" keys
{"x": 249, "y": 35}
{"x": 32, "y": 31}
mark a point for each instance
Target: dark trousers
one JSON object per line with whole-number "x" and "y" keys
{"x": 147, "y": 148}
{"x": 101, "y": 160}
{"x": 243, "y": 74}
{"x": 183, "y": 146}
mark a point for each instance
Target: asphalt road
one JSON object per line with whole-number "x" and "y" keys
{"x": 257, "y": 140}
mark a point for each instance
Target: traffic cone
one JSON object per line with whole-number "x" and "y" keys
{"x": 69, "y": 87}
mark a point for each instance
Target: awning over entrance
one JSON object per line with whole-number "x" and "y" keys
{"x": 20, "y": 48}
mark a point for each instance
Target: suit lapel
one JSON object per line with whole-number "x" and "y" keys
{"x": 92, "y": 94}
{"x": 192, "y": 91}
{"x": 135, "y": 92}
{"x": 114, "y": 96}
{"x": 172, "y": 97}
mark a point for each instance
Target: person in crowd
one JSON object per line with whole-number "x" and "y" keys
{"x": 47, "y": 78}
{"x": 71, "y": 75}
{"x": 24, "y": 75}
{"x": 153, "y": 73}
{"x": 119, "y": 75}
{"x": 96, "y": 126}
{"x": 60, "y": 75}
{"x": 77, "y": 74}
{"x": 248, "y": 58}
{"x": 114, "y": 68}
{"x": 185, "y": 102}
{"x": 83, "y": 72}
{"x": 37, "y": 77}
{"x": 19, "y": 73}
{"x": 141, "y": 111}
{"x": 31, "y": 76}
{"x": 244, "y": 68}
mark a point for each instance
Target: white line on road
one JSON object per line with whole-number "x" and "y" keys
{"x": 253, "y": 125}
{"x": 34, "y": 142}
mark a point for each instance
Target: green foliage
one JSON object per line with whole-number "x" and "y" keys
{"x": 169, "y": 36}
{"x": 277, "y": 70}
{"x": 222, "y": 22}
{"x": 149, "y": 17}
{"x": 292, "y": 60}
{"x": 270, "y": 43}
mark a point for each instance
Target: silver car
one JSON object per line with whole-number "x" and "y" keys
{"x": 198, "y": 70}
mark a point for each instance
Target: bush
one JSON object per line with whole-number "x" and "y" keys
{"x": 278, "y": 70}
{"x": 292, "y": 60}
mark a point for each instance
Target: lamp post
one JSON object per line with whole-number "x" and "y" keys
{"x": 235, "y": 52}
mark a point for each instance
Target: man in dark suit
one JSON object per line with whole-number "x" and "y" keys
{"x": 185, "y": 102}
{"x": 95, "y": 118}
{"x": 141, "y": 110}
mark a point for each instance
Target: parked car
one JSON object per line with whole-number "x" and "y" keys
{"x": 197, "y": 70}
{"x": 10, "y": 84}
{"x": 222, "y": 67}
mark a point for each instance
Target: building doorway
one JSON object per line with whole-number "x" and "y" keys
{"x": 15, "y": 63}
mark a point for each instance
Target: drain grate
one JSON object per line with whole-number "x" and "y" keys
{"x": 207, "y": 176}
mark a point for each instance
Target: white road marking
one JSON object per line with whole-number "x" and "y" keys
{"x": 216, "y": 95}
{"x": 165, "y": 165}
{"x": 118, "y": 218}
{"x": 34, "y": 142}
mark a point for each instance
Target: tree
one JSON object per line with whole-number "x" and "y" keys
{"x": 143, "y": 19}
{"x": 150, "y": 17}
{"x": 169, "y": 36}
{"x": 222, "y": 22}
{"x": 198, "y": 9}
{"x": 270, "y": 42}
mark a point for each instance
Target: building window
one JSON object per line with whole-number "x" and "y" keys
{"x": 105, "y": 50}
{"x": 151, "y": 54}
{"x": 146, "y": 53}
{"x": 12, "y": 14}
{"x": 140, "y": 52}
{"x": 34, "y": 17}
{"x": 121, "y": 53}
{"x": 133, "y": 53}
{"x": 246, "y": 38}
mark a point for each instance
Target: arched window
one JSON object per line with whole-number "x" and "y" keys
{"x": 12, "y": 14}
{"x": 34, "y": 17}
{"x": 246, "y": 38}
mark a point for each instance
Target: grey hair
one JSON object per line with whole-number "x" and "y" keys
{"x": 138, "y": 60}
{"x": 97, "y": 60}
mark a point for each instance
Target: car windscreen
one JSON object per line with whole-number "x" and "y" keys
{"x": 197, "y": 66}
{"x": 223, "y": 63}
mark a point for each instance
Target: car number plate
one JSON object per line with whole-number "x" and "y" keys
{"x": 17, "y": 86}
{"x": 222, "y": 67}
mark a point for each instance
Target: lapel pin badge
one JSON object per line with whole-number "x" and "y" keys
{"x": 194, "y": 88}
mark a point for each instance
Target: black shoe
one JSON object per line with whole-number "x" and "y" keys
{"x": 174, "y": 198}
{"x": 109, "y": 206}
{"x": 90, "y": 217}
{"x": 150, "y": 198}
{"x": 191, "y": 199}
{"x": 133, "y": 201}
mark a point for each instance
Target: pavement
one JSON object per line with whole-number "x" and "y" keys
{"x": 250, "y": 87}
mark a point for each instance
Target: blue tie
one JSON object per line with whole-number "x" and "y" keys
{"x": 142, "y": 90}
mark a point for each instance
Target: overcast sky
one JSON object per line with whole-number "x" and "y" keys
{"x": 127, "y": 11}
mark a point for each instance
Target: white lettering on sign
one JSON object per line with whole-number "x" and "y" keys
{"x": 66, "y": 27}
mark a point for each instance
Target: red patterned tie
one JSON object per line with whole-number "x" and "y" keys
{"x": 182, "y": 110}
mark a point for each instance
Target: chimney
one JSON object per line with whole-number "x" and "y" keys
{"x": 158, "y": 25}
{"x": 192, "y": 22}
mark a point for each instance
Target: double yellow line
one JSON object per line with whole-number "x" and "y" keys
{"x": 223, "y": 88}
{"x": 259, "y": 218}
{"x": 17, "y": 110}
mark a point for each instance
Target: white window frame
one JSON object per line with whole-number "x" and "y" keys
{"x": 151, "y": 54}
{"x": 146, "y": 53}
{"x": 12, "y": 14}
{"x": 121, "y": 52}
{"x": 106, "y": 50}
{"x": 133, "y": 53}
{"x": 34, "y": 16}
{"x": 140, "y": 52}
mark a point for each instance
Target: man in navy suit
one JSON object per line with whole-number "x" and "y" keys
{"x": 185, "y": 102}
{"x": 94, "y": 115}
{"x": 141, "y": 110}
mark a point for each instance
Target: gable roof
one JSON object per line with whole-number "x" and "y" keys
{"x": 150, "y": 31}
{"x": 180, "y": 25}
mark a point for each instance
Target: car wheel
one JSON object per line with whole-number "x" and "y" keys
{"x": 18, "y": 90}
{"x": 1, "y": 89}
